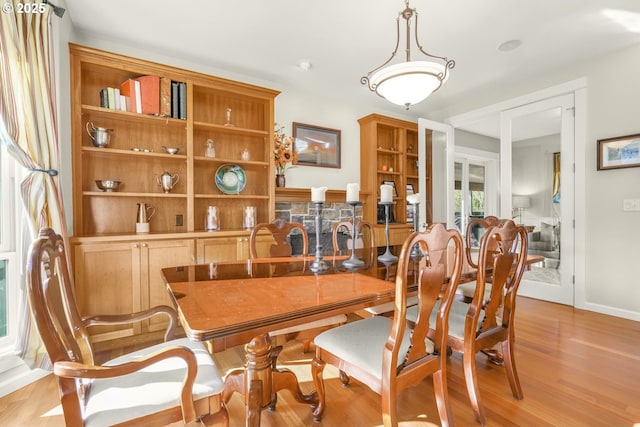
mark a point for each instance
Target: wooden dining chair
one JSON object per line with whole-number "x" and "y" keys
{"x": 281, "y": 232}
{"x": 347, "y": 226}
{"x": 364, "y": 240}
{"x": 475, "y": 229}
{"x": 389, "y": 355}
{"x": 176, "y": 380}
{"x": 489, "y": 318}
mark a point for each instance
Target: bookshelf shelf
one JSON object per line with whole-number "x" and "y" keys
{"x": 129, "y": 194}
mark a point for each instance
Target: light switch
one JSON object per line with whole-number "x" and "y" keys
{"x": 631, "y": 205}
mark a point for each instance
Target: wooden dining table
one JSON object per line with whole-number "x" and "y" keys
{"x": 240, "y": 302}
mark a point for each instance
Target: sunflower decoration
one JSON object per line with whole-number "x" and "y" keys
{"x": 283, "y": 153}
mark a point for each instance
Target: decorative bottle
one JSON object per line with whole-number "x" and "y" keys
{"x": 210, "y": 151}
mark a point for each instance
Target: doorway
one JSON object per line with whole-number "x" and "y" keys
{"x": 537, "y": 164}
{"x": 442, "y": 155}
{"x": 474, "y": 191}
{"x": 487, "y": 121}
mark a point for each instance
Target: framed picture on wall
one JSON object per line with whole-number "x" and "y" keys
{"x": 619, "y": 152}
{"x": 316, "y": 146}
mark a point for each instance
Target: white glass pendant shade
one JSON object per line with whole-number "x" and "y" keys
{"x": 408, "y": 83}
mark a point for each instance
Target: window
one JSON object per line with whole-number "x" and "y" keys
{"x": 8, "y": 259}
{"x": 475, "y": 174}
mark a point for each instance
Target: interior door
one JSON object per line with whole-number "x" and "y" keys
{"x": 471, "y": 191}
{"x": 554, "y": 279}
{"x": 442, "y": 152}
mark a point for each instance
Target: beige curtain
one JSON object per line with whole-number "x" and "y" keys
{"x": 29, "y": 128}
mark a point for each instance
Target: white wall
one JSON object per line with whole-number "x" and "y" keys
{"x": 62, "y": 33}
{"x": 613, "y": 240}
{"x": 476, "y": 141}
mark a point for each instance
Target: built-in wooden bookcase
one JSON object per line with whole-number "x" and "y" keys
{"x": 389, "y": 152}
{"x": 116, "y": 269}
{"x": 135, "y": 156}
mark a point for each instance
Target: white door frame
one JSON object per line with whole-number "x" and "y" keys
{"x": 579, "y": 89}
{"x": 490, "y": 161}
{"x": 562, "y": 292}
{"x": 447, "y": 130}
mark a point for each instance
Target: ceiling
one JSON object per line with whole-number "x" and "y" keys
{"x": 344, "y": 39}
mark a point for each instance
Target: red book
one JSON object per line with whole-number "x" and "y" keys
{"x": 165, "y": 97}
{"x": 128, "y": 89}
{"x": 150, "y": 94}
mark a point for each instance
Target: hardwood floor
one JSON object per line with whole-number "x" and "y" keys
{"x": 577, "y": 368}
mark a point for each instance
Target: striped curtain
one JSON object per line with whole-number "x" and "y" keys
{"x": 29, "y": 129}
{"x": 556, "y": 177}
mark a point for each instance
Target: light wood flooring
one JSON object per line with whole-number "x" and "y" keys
{"x": 577, "y": 368}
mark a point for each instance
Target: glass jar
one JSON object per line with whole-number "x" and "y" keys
{"x": 210, "y": 151}
{"x": 211, "y": 222}
{"x": 249, "y": 217}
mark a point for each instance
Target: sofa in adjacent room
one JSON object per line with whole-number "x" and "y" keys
{"x": 545, "y": 241}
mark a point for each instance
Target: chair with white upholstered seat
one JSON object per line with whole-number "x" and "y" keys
{"x": 347, "y": 226}
{"x": 360, "y": 242}
{"x": 489, "y": 319}
{"x": 281, "y": 231}
{"x": 173, "y": 381}
{"x": 475, "y": 228}
{"x": 389, "y": 355}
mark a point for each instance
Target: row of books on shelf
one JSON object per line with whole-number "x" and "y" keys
{"x": 154, "y": 95}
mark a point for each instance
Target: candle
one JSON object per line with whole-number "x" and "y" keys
{"x": 386, "y": 193}
{"x": 317, "y": 194}
{"x": 353, "y": 192}
{"x": 413, "y": 199}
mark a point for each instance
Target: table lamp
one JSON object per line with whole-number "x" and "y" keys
{"x": 519, "y": 203}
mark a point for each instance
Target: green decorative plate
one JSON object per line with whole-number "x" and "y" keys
{"x": 230, "y": 179}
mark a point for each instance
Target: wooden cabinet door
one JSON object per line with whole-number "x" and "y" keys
{"x": 106, "y": 280}
{"x": 154, "y": 256}
{"x": 219, "y": 249}
{"x": 397, "y": 235}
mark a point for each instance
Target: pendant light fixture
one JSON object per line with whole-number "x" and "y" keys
{"x": 407, "y": 83}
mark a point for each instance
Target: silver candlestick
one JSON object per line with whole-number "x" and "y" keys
{"x": 416, "y": 252}
{"x": 387, "y": 255}
{"x": 318, "y": 265}
{"x": 354, "y": 261}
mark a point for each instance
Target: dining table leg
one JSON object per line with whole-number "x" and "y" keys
{"x": 259, "y": 381}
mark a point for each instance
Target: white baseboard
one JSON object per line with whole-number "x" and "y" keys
{"x": 17, "y": 375}
{"x": 611, "y": 311}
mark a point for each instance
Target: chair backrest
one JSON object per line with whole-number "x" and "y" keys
{"x": 280, "y": 230}
{"x": 429, "y": 272}
{"x": 475, "y": 229}
{"x": 53, "y": 303}
{"x": 347, "y": 226}
{"x": 503, "y": 248}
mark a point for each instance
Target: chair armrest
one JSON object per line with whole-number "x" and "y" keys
{"x": 83, "y": 371}
{"x": 121, "y": 319}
